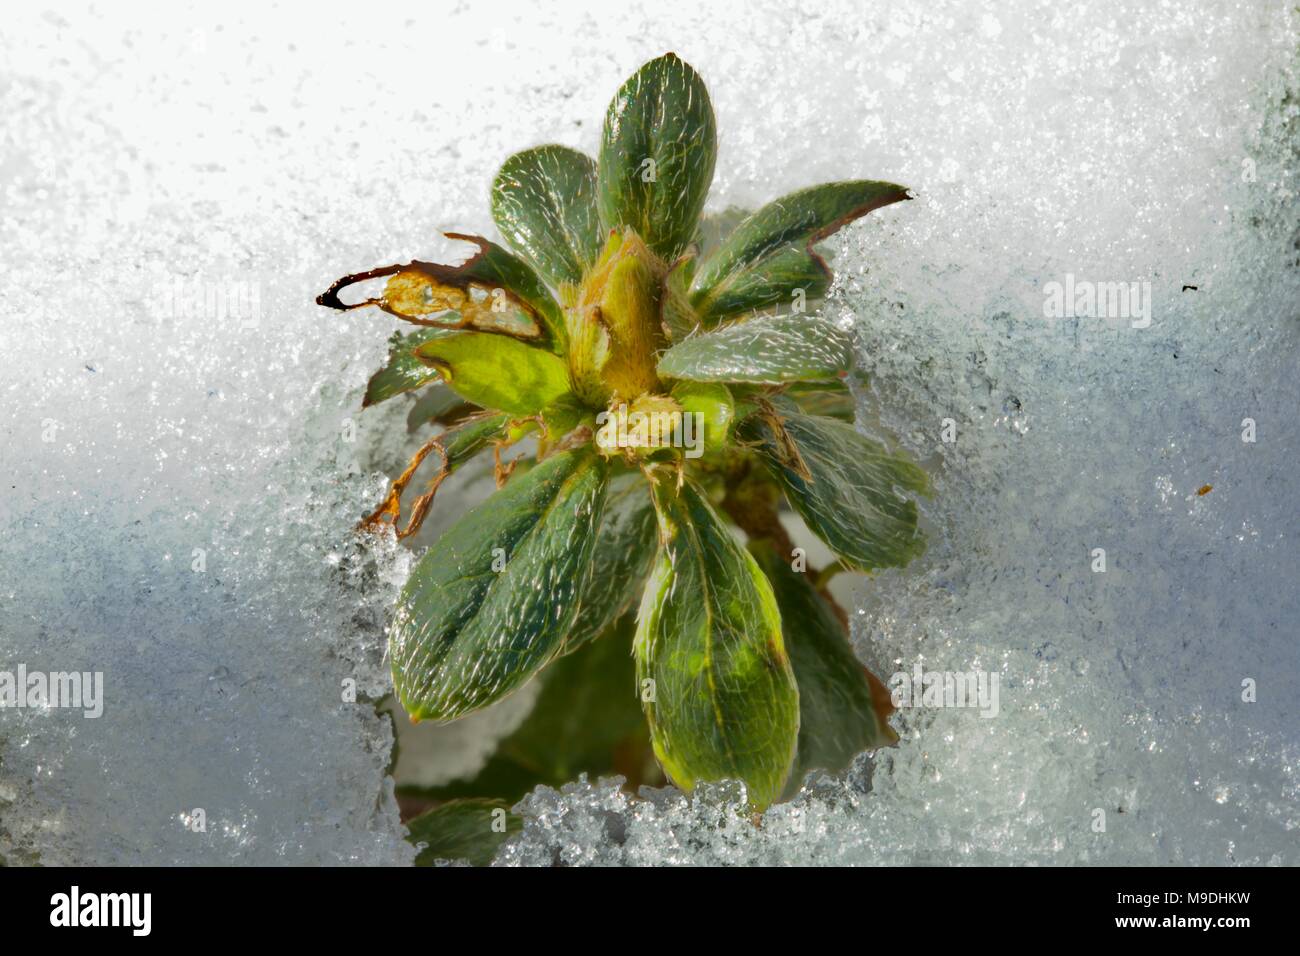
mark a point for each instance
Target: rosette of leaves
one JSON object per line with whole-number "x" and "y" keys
{"x": 677, "y": 386}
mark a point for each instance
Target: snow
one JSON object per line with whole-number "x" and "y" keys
{"x": 257, "y": 152}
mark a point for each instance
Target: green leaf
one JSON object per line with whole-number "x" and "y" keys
{"x": 587, "y": 719}
{"x": 714, "y": 403}
{"x": 657, "y": 155}
{"x": 791, "y": 276}
{"x": 588, "y": 716}
{"x": 770, "y": 255}
{"x": 676, "y": 314}
{"x": 491, "y": 603}
{"x": 564, "y": 415}
{"x": 767, "y": 350}
{"x": 544, "y": 203}
{"x": 404, "y": 372}
{"x": 625, "y": 546}
{"x": 468, "y": 437}
{"x": 438, "y": 404}
{"x": 716, "y": 226}
{"x": 847, "y": 488}
{"x": 837, "y": 714}
{"x": 492, "y": 291}
{"x": 830, "y": 400}
{"x": 471, "y": 830}
{"x": 724, "y": 702}
{"x": 497, "y": 372}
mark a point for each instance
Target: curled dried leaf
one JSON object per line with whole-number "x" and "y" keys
{"x": 492, "y": 291}
{"x": 454, "y": 447}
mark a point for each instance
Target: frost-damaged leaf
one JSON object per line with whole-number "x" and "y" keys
{"x": 767, "y": 350}
{"x": 544, "y": 203}
{"x": 490, "y": 292}
{"x": 837, "y": 712}
{"x": 770, "y": 255}
{"x": 455, "y": 446}
{"x": 657, "y": 155}
{"x": 723, "y": 703}
{"x": 848, "y": 489}
{"x": 490, "y": 604}
{"x": 404, "y": 372}
{"x": 463, "y": 830}
{"x": 497, "y": 372}
{"x": 625, "y": 546}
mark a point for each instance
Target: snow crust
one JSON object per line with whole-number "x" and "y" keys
{"x": 157, "y": 154}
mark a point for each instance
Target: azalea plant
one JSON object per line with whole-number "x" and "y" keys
{"x": 676, "y": 383}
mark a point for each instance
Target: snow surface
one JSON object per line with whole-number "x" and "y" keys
{"x": 199, "y": 146}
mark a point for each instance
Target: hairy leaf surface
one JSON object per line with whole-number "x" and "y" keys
{"x": 848, "y": 489}
{"x": 491, "y": 603}
{"x": 766, "y": 350}
{"x": 625, "y": 546}
{"x": 723, "y": 702}
{"x": 770, "y": 256}
{"x": 403, "y": 372}
{"x": 657, "y": 155}
{"x": 544, "y": 203}
{"x": 837, "y": 712}
{"x": 463, "y": 830}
